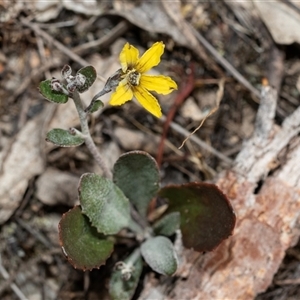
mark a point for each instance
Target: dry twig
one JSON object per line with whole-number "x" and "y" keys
{"x": 13, "y": 286}
{"x": 105, "y": 40}
{"x": 199, "y": 142}
{"x": 233, "y": 71}
{"x": 49, "y": 39}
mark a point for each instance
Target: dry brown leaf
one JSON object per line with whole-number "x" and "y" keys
{"x": 136, "y": 139}
{"x": 64, "y": 117}
{"x": 191, "y": 110}
{"x": 159, "y": 17}
{"x": 57, "y": 187}
{"x": 22, "y": 162}
{"x": 44, "y": 11}
{"x": 281, "y": 19}
{"x": 9, "y": 11}
{"x": 110, "y": 152}
{"x": 129, "y": 139}
{"x": 90, "y": 8}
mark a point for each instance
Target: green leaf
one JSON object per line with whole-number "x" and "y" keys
{"x": 120, "y": 289}
{"x": 168, "y": 224}
{"x": 83, "y": 246}
{"x": 63, "y": 138}
{"x": 160, "y": 255}
{"x": 49, "y": 94}
{"x": 136, "y": 174}
{"x": 207, "y": 218}
{"x": 104, "y": 203}
{"x": 90, "y": 74}
{"x": 96, "y": 105}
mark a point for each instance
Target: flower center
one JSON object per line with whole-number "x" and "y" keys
{"x": 134, "y": 77}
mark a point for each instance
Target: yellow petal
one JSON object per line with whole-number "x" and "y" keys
{"x": 160, "y": 84}
{"x": 151, "y": 57}
{"x": 122, "y": 94}
{"x": 128, "y": 57}
{"x": 148, "y": 101}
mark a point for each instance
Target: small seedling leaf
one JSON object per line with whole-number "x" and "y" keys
{"x": 51, "y": 95}
{"x": 63, "y": 138}
{"x": 84, "y": 247}
{"x": 120, "y": 289}
{"x": 160, "y": 255}
{"x": 104, "y": 203}
{"x": 136, "y": 174}
{"x": 207, "y": 217}
{"x": 168, "y": 224}
{"x": 98, "y": 104}
{"x": 90, "y": 76}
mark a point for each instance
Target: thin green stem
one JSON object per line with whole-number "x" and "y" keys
{"x": 81, "y": 113}
{"x": 112, "y": 82}
{"x": 134, "y": 256}
{"x": 136, "y": 228}
{"x": 138, "y": 224}
{"x": 138, "y": 218}
{"x": 87, "y": 136}
{"x": 101, "y": 93}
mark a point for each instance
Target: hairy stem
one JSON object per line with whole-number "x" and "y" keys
{"x": 136, "y": 228}
{"x": 139, "y": 224}
{"x": 135, "y": 255}
{"x": 87, "y": 136}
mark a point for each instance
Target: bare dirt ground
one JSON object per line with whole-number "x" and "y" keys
{"x": 239, "y": 60}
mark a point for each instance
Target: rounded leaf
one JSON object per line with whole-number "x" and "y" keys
{"x": 63, "y": 138}
{"x": 51, "y": 95}
{"x": 207, "y": 217}
{"x": 83, "y": 246}
{"x": 136, "y": 174}
{"x": 160, "y": 255}
{"x": 168, "y": 224}
{"x": 98, "y": 104}
{"x": 120, "y": 289}
{"x": 90, "y": 75}
{"x": 104, "y": 203}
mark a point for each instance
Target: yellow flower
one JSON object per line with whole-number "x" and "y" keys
{"x": 134, "y": 81}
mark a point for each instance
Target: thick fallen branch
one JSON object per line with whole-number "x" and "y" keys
{"x": 267, "y": 220}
